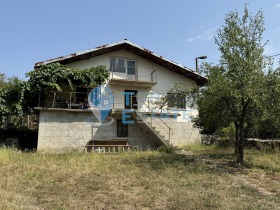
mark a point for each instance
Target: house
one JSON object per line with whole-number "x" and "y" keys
{"x": 138, "y": 78}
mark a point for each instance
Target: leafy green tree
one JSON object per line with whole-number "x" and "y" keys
{"x": 2, "y": 80}
{"x": 236, "y": 88}
{"x": 17, "y": 96}
{"x": 269, "y": 125}
{"x": 11, "y": 96}
{"x": 212, "y": 115}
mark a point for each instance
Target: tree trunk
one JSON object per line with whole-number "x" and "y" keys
{"x": 240, "y": 148}
{"x": 236, "y": 138}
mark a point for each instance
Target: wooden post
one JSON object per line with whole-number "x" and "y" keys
{"x": 70, "y": 100}
{"x": 39, "y": 102}
{"x": 28, "y": 116}
{"x": 54, "y": 94}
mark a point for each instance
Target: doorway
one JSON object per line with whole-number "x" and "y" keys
{"x": 130, "y": 99}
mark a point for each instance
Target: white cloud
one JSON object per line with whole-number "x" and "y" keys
{"x": 278, "y": 5}
{"x": 205, "y": 36}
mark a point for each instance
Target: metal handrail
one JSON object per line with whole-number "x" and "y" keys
{"x": 69, "y": 104}
{"x": 151, "y": 110}
{"x": 151, "y": 76}
{"x": 68, "y": 99}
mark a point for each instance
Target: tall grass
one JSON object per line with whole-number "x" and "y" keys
{"x": 204, "y": 179}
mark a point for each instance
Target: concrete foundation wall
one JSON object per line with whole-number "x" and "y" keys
{"x": 183, "y": 132}
{"x": 60, "y": 130}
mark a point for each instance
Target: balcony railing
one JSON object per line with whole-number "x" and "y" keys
{"x": 65, "y": 100}
{"x": 146, "y": 80}
{"x": 79, "y": 100}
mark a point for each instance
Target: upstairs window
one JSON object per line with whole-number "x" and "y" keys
{"x": 131, "y": 67}
{"x": 123, "y": 65}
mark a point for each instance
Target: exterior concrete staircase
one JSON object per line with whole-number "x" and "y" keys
{"x": 151, "y": 124}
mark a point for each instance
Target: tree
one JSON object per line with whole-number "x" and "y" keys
{"x": 17, "y": 96}
{"x": 11, "y": 96}
{"x": 269, "y": 125}
{"x": 212, "y": 114}
{"x": 236, "y": 87}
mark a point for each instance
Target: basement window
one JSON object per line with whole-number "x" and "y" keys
{"x": 123, "y": 65}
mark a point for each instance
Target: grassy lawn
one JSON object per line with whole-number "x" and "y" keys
{"x": 199, "y": 178}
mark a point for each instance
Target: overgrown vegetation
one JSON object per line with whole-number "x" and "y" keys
{"x": 18, "y": 97}
{"x": 235, "y": 91}
{"x": 204, "y": 178}
{"x": 243, "y": 91}
{"x": 11, "y": 96}
{"x": 52, "y": 76}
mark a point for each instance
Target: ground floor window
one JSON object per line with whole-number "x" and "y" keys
{"x": 122, "y": 129}
{"x": 176, "y": 100}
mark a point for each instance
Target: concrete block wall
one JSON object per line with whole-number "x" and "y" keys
{"x": 183, "y": 132}
{"x": 137, "y": 136}
{"x": 62, "y": 129}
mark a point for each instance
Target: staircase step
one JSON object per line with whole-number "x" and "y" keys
{"x": 153, "y": 129}
{"x": 163, "y": 137}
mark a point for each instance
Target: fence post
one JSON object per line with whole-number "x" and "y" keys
{"x": 54, "y": 94}
{"x": 169, "y": 135}
{"x": 39, "y": 102}
{"x": 70, "y": 100}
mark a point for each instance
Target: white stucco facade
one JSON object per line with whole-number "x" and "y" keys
{"x": 165, "y": 79}
{"x": 56, "y": 132}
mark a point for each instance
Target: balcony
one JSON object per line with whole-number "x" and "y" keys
{"x": 124, "y": 79}
{"x": 58, "y": 100}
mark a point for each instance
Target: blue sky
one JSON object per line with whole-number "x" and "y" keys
{"x": 180, "y": 30}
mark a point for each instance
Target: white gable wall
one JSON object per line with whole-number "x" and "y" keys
{"x": 183, "y": 132}
{"x": 165, "y": 78}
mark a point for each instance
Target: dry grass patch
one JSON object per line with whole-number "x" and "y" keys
{"x": 206, "y": 178}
